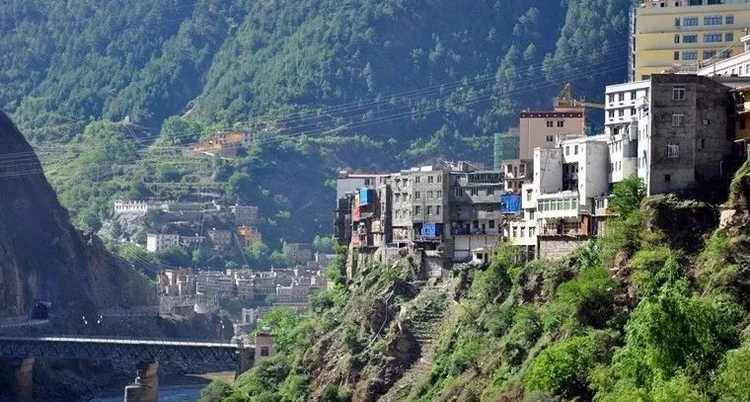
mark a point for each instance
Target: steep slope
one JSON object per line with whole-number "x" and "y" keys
{"x": 654, "y": 310}
{"x": 42, "y": 256}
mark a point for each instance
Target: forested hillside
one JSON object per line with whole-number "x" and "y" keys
{"x": 359, "y": 83}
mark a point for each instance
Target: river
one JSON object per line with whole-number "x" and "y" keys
{"x": 167, "y": 393}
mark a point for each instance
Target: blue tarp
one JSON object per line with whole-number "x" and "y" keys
{"x": 511, "y": 203}
{"x": 366, "y": 196}
{"x": 431, "y": 230}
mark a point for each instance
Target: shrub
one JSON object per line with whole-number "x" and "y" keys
{"x": 733, "y": 383}
{"x": 563, "y": 368}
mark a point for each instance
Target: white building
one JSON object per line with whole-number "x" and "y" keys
{"x": 159, "y": 241}
{"x": 735, "y": 66}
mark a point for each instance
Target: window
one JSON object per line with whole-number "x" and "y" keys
{"x": 677, "y": 119}
{"x": 528, "y": 195}
{"x": 575, "y": 150}
{"x": 673, "y": 151}
{"x": 712, "y": 37}
{"x": 440, "y": 179}
{"x": 531, "y": 232}
{"x": 417, "y": 210}
{"x": 713, "y": 20}
{"x": 621, "y": 97}
{"x": 676, "y": 56}
{"x": 692, "y": 55}
{"x": 560, "y": 123}
{"x": 429, "y": 194}
{"x": 515, "y": 231}
{"x": 567, "y": 150}
{"x": 474, "y": 191}
{"x": 490, "y": 191}
{"x": 692, "y": 38}
{"x": 550, "y": 124}
{"x": 707, "y": 54}
{"x": 416, "y": 179}
{"x": 437, "y": 210}
{"x": 677, "y": 39}
{"x": 690, "y": 22}
{"x": 729, "y": 19}
{"x": 676, "y": 22}
{"x": 729, "y": 37}
{"x": 611, "y": 114}
{"x": 417, "y": 195}
{"x": 492, "y": 223}
{"x": 531, "y": 214}
{"x": 429, "y": 210}
{"x": 621, "y": 113}
{"x": 523, "y": 231}
{"x": 703, "y": 143}
{"x": 678, "y": 93}
{"x": 439, "y": 194}
{"x": 264, "y": 352}
{"x": 611, "y": 98}
{"x": 632, "y": 111}
{"x": 550, "y": 138}
{"x": 667, "y": 178}
{"x": 633, "y": 95}
{"x": 430, "y": 179}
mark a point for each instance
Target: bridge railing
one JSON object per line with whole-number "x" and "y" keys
{"x": 80, "y": 337}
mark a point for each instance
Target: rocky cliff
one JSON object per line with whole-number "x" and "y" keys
{"x": 42, "y": 256}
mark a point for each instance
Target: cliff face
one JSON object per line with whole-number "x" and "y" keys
{"x": 42, "y": 256}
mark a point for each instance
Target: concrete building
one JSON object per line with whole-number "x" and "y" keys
{"x": 516, "y": 172}
{"x": 159, "y": 241}
{"x": 546, "y": 129}
{"x": 737, "y": 65}
{"x": 684, "y": 132}
{"x": 476, "y": 214}
{"x": 668, "y": 35}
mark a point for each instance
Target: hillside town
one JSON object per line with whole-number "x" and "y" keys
{"x": 682, "y": 130}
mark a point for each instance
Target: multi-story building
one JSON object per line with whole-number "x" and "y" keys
{"x": 426, "y": 208}
{"x": 678, "y": 132}
{"x": 669, "y": 35}
{"x": 476, "y": 211}
{"x": 546, "y": 129}
{"x": 516, "y": 172}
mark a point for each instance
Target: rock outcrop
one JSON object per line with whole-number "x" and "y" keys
{"x": 42, "y": 256}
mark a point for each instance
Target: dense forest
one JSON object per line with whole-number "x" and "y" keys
{"x": 358, "y": 84}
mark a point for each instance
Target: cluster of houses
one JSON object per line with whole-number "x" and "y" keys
{"x": 679, "y": 132}
{"x": 189, "y": 224}
{"x": 186, "y": 291}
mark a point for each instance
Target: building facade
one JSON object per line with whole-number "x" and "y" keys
{"x": 668, "y": 35}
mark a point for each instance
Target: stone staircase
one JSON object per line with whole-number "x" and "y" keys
{"x": 429, "y": 309}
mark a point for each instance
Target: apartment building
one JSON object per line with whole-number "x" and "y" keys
{"x": 668, "y": 35}
{"x": 446, "y": 210}
{"x": 545, "y": 129}
{"x": 476, "y": 209}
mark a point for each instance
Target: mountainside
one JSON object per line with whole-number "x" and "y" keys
{"x": 42, "y": 256}
{"x": 360, "y": 84}
{"x": 655, "y": 310}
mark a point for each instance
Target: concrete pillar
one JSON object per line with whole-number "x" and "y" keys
{"x": 247, "y": 359}
{"x": 146, "y": 385}
{"x": 25, "y": 381}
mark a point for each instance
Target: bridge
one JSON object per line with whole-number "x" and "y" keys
{"x": 147, "y": 354}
